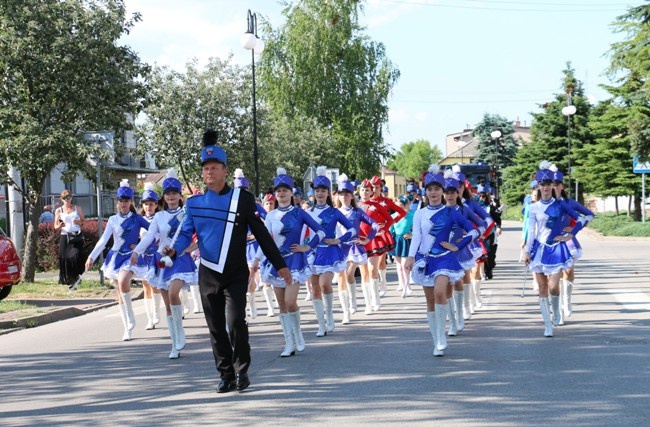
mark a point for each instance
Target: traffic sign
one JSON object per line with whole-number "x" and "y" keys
{"x": 640, "y": 167}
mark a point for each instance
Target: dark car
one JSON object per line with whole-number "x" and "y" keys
{"x": 9, "y": 265}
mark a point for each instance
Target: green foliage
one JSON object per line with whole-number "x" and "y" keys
{"x": 320, "y": 65}
{"x": 610, "y": 224}
{"x": 498, "y": 152}
{"x": 47, "y": 253}
{"x": 413, "y": 158}
{"x": 63, "y": 73}
{"x": 7, "y": 306}
{"x": 513, "y": 213}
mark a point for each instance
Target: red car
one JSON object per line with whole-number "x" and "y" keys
{"x": 9, "y": 265}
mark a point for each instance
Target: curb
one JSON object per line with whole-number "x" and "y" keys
{"x": 9, "y": 326}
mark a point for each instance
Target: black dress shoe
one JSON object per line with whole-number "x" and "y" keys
{"x": 226, "y": 385}
{"x": 241, "y": 382}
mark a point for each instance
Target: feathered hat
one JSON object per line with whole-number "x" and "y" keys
{"x": 211, "y": 152}
{"x": 544, "y": 173}
{"x": 366, "y": 183}
{"x": 451, "y": 183}
{"x": 433, "y": 177}
{"x": 344, "y": 184}
{"x": 557, "y": 175}
{"x": 124, "y": 191}
{"x": 459, "y": 176}
{"x": 149, "y": 192}
{"x": 322, "y": 181}
{"x": 282, "y": 179}
{"x": 411, "y": 187}
{"x": 240, "y": 180}
{"x": 171, "y": 182}
{"x": 376, "y": 181}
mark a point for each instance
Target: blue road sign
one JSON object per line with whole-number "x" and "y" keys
{"x": 640, "y": 167}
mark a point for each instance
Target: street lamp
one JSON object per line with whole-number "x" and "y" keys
{"x": 250, "y": 41}
{"x": 496, "y": 134}
{"x": 569, "y": 111}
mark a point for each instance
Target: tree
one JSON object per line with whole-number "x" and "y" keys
{"x": 501, "y": 151}
{"x": 320, "y": 65}
{"x": 63, "y": 73}
{"x": 517, "y": 177}
{"x": 413, "y": 158}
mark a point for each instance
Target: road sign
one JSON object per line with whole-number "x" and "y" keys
{"x": 640, "y": 167}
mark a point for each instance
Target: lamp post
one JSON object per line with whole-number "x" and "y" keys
{"x": 496, "y": 134}
{"x": 250, "y": 41}
{"x": 569, "y": 111}
{"x": 97, "y": 139}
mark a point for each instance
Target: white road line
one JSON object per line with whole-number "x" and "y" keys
{"x": 632, "y": 300}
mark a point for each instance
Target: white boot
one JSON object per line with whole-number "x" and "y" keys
{"x": 374, "y": 294}
{"x": 297, "y": 332}
{"x": 171, "y": 325}
{"x": 177, "y": 316}
{"x": 382, "y": 277}
{"x": 287, "y": 330}
{"x": 467, "y": 311}
{"x": 125, "y": 322}
{"x": 546, "y": 315}
{"x": 431, "y": 318}
{"x": 365, "y": 287}
{"x": 157, "y": 298}
{"x": 459, "y": 297}
{"x": 453, "y": 326}
{"x": 568, "y": 291}
{"x": 250, "y": 298}
{"x": 319, "y": 308}
{"x": 148, "y": 308}
{"x": 441, "y": 316}
{"x": 196, "y": 299}
{"x": 344, "y": 299}
{"x": 328, "y": 300}
{"x": 308, "y": 296}
{"x": 126, "y": 298}
{"x": 352, "y": 290}
{"x": 557, "y": 312}
{"x": 185, "y": 300}
{"x": 476, "y": 289}
{"x": 268, "y": 297}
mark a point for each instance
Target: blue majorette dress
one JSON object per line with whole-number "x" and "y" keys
{"x": 573, "y": 244}
{"x": 432, "y": 225}
{"x": 478, "y": 248}
{"x": 329, "y": 258}
{"x": 164, "y": 226}
{"x": 125, "y": 230}
{"x": 147, "y": 259}
{"x": 466, "y": 256}
{"x": 355, "y": 252}
{"x": 251, "y": 243}
{"x": 285, "y": 226}
{"x": 545, "y": 224}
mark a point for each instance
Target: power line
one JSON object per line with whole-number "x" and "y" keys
{"x": 504, "y": 9}
{"x": 468, "y": 102}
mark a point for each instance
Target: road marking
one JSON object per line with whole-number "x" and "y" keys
{"x": 632, "y": 300}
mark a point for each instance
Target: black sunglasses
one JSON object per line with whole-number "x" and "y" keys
{"x": 67, "y": 197}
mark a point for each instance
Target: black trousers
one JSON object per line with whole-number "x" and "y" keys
{"x": 224, "y": 297}
{"x": 71, "y": 260}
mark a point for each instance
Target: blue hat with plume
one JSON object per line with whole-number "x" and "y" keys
{"x": 459, "y": 176}
{"x": 411, "y": 187}
{"x": 533, "y": 184}
{"x": 480, "y": 189}
{"x": 557, "y": 175}
{"x": 149, "y": 192}
{"x": 282, "y": 179}
{"x": 240, "y": 179}
{"x": 211, "y": 152}
{"x": 344, "y": 184}
{"x": 433, "y": 177}
{"x": 451, "y": 184}
{"x": 124, "y": 191}
{"x": 544, "y": 173}
{"x": 171, "y": 182}
{"x": 297, "y": 191}
{"x": 322, "y": 181}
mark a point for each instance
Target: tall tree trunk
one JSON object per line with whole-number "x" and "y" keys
{"x": 616, "y": 205}
{"x": 637, "y": 207}
{"x": 31, "y": 242}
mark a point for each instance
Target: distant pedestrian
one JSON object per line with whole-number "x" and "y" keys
{"x": 47, "y": 217}
{"x": 69, "y": 218}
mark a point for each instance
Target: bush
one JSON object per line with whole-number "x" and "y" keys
{"x": 610, "y": 224}
{"x": 47, "y": 251}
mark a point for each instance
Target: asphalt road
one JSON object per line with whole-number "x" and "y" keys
{"x": 379, "y": 370}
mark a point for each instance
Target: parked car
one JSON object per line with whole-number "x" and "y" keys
{"x": 9, "y": 265}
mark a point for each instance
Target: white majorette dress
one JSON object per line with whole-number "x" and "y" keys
{"x": 125, "y": 230}
{"x": 164, "y": 226}
{"x": 329, "y": 258}
{"x": 544, "y": 225}
{"x": 285, "y": 226}
{"x": 432, "y": 225}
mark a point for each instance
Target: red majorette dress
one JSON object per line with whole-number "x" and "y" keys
{"x": 382, "y": 242}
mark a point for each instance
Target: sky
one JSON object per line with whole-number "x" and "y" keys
{"x": 458, "y": 59}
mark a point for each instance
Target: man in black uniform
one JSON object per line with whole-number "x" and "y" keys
{"x": 220, "y": 217}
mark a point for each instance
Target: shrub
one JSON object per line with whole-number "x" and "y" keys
{"x": 47, "y": 250}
